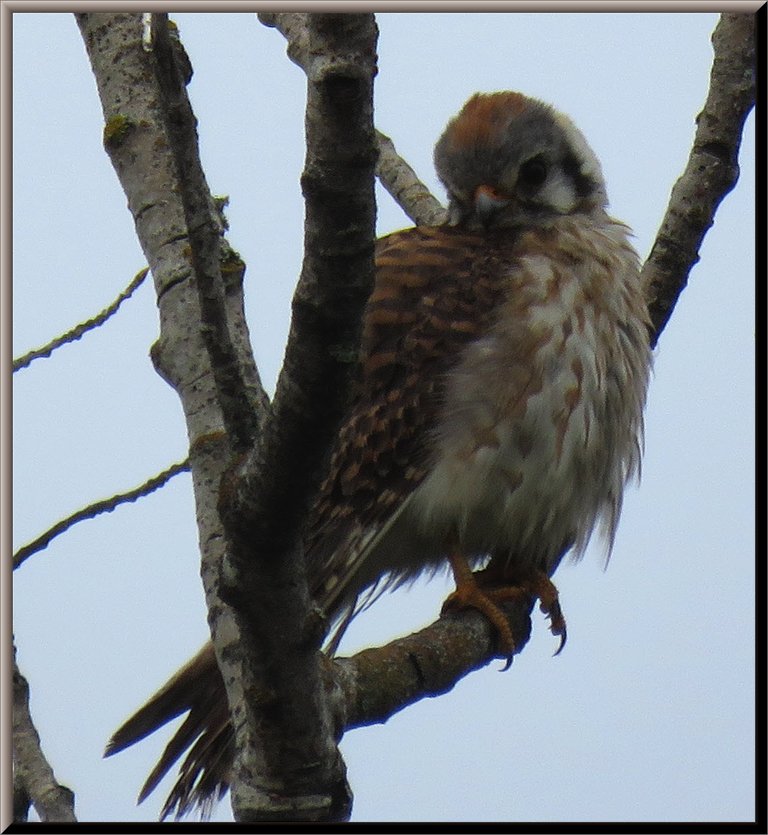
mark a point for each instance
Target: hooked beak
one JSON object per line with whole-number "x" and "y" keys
{"x": 487, "y": 202}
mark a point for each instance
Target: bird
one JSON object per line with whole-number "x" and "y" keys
{"x": 496, "y": 414}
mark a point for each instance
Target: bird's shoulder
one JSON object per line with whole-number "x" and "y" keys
{"x": 436, "y": 288}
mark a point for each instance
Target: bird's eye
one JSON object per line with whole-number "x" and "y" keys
{"x": 533, "y": 173}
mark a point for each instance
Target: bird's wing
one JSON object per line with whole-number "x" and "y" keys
{"x": 435, "y": 291}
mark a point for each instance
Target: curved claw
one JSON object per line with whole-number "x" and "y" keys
{"x": 563, "y": 638}
{"x": 549, "y": 604}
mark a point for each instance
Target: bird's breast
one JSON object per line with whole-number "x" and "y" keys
{"x": 538, "y": 429}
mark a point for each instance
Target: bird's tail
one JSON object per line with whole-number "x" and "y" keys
{"x": 206, "y": 735}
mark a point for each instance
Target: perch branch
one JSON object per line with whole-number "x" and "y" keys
{"x": 376, "y": 683}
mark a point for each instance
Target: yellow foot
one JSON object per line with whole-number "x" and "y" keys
{"x": 485, "y": 590}
{"x": 469, "y": 595}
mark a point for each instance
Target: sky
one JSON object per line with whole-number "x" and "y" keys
{"x": 648, "y": 713}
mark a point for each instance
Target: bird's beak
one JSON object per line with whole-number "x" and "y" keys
{"x": 488, "y": 201}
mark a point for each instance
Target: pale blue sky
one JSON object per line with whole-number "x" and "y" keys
{"x": 648, "y": 712}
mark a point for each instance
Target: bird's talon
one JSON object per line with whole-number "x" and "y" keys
{"x": 563, "y": 638}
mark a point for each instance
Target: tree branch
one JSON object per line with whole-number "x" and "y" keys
{"x": 83, "y": 327}
{"x": 204, "y": 231}
{"x": 376, "y": 683}
{"x": 394, "y": 173}
{"x": 96, "y": 509}
{"x": 34, "y": 780}
{"x": 287, "y": 765}
{"x": 712, "y": 169}
{"x": 404, "y": 186}
{"x": 336, "y": 276}
{"x": 137, "y": 139}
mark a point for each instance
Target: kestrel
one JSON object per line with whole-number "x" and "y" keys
{"x": 497, "y": 414}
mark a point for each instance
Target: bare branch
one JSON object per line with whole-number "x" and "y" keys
{"x": 264, "y": 503}
{"x": 289, "y": 766}
{"x": 336, "y": 276}
{"x": 376, "y": 683}
{"x": 96, "y": 509}
{"x": 173, "y": 71}
{"x": 712, "y": 169}
{"x": 293, "y": 26}
{"x": 22, "y": 802}
{"x": 407, "y": 190}
{"x": 138, "y": 142}
{"x": 34, "y": 779}
{"x": 83, "y": 327}
{"x": 394, "y": 173}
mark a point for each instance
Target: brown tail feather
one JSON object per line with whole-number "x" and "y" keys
{"x": 204, "y": 775}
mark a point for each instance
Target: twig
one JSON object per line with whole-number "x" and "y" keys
{"x": 712, "y": 169}
{"x": 97, "y": 508}
{"x": 405, "y": 188}
{"x": 83, "y": 327}
{"x": 33, "y": 776}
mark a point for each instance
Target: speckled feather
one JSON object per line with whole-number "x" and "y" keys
{"x": 436, "y": 290}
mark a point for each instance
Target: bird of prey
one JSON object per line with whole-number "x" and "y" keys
{"x": 496, "y": 415}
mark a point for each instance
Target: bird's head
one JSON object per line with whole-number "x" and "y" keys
{"x": 507, "y": 160}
